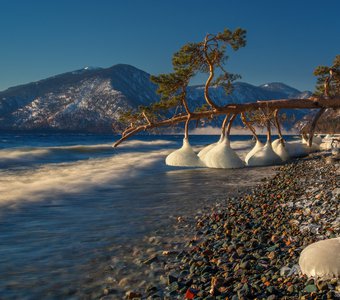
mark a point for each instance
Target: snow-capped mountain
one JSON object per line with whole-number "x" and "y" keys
{"x": 245, "y": 92}
{"x": 91, "y": 99}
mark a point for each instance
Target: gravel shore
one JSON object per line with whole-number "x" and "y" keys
{"x": 247, "y": 247}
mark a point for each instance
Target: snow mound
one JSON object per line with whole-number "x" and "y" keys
{"x": 223, "y": 157}
{"x": 256, "y": 148}
{"x": 184, "y": 157}
{"x": 321, "y": 259}
{"x": 264, "y": 157}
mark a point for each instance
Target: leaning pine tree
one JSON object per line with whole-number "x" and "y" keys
{"x": 209, "y": 57}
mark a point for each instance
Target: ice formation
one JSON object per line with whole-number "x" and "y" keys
{"x": 296, "y": 149}
{"x": 321, "y": 259}
{"x": 315, "y": 146}
{"x": 280, "y": 150}
{"x": 256, "y": 148}
{"x": 184, "y": 157}
{"x": 223, "y": 156}
{"x": 275, "y": 143}
{"x": 265, "y": 156}
{"x": 206, "y": 149}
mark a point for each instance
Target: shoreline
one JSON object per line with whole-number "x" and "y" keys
{"x": 246, "y": 246}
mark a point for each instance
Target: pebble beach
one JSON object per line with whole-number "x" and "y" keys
{"x": 245, "y": 247}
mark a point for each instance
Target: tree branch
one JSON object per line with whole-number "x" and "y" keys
{"x": 224, "y": 124}
{"x": 312, "y": 126}
{"x": 239, "y": 108}
{"x": 230, "y": 124}
{"x": 251, "y": 128}
{"x": 278, "y": 126}
{"x": 211, "y": 74}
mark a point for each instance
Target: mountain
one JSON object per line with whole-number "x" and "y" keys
{"x": 91, "y": 99}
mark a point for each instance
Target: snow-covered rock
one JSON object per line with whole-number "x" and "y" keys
{"x": 321, "y": 259}
{"x": 222, "y": 156}
{"x": 184, "y": 157}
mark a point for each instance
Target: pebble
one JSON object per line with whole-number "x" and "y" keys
{"x": 248, "y": 247}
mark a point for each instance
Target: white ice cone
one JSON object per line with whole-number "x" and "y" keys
{"x": 275, "y": 143}
{"x": 256, "y": 148}
{"x": 264, "y": 157}
{"x": 321, "y": 259}
{"x": 280, "y": 150}
{"x": 223, "y": 156}
{"x": 184, "y": 157}
{"x": 205, "y": 150}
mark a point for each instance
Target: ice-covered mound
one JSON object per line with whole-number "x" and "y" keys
{"x": 256, "y": 148}
{"x": 321, "y": 259}
{"x": 296, "y": 149}
{"x": 184, "y": 157}
{"x": 280, "y": 150}
{"x": 264, "y": 157}
{"x": 275, "y": 143}
{"x": 223, "y": 156}
{"x": 205, "y": 150}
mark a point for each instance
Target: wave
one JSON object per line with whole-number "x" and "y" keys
{"x": 12, "y": 157}
{"x": 48, "y": 181}
{"x": 53, "y": 180}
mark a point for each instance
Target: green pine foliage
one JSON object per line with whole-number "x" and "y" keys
{"x": 192, "y": 59}
{"x": 323, "y": 72}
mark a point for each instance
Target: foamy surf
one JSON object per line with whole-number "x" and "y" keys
{"x": 13, "y": 157}
{"x": 50, "y": 181}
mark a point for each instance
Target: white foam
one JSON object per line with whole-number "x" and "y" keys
{"x": 51, "y": 180}
{"x": 22, "y": 154}
{"x": 321, "y": 259}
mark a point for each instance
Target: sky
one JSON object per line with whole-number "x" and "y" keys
{"x": 286, "y": 39}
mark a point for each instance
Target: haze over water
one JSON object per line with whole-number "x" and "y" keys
{"x": 66, "y": 199}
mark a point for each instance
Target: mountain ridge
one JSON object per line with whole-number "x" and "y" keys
{"x": 91, "y": 99}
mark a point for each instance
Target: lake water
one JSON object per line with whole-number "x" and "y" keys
{"x": 65, "y": 199}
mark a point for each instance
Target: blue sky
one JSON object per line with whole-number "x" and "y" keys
{"x": 286, "y": 39}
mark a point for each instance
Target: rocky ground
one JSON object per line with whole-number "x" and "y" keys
{"x": 246, "y": 247}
